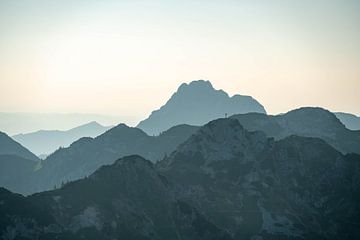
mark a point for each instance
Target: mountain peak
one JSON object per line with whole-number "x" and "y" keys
{"x": 196, "y": 84}
{"x": 134, "y": 162}
{"x": 220, "y": 139}
{"x": 197, "y": 103}
{"x": 312, "y": 116}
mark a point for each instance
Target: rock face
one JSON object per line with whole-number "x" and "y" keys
{"x": 84, "y": 156}
{"x": 10, "y": 147}
{"x": 45, "y": 142}
{"x": 196, "y": 104}
{"x": 128, "y": 200}
{"x": 308, "y": 122}
{"x": 258, "y": 188}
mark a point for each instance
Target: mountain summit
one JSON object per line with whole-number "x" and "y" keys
{"x": 197, "y": 103}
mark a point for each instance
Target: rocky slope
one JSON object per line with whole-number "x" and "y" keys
{"x": 259, "y": 188}
{"x": 197, "y": 103}
{"x": 128, "y": 200}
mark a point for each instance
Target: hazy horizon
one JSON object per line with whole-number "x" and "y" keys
{"x": 128, "y": 57}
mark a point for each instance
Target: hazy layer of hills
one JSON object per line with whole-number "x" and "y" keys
{"x": 16, "y": 123}
{"x": 197, "y": 103}
{"x": 351, "y": 121}
{"x": 249, "y": 176}
{"x": 84, "y": 156}
{"x": 10, "y": 147}
{"x": 224, "y": 182}
{"x": 45, "y": 142}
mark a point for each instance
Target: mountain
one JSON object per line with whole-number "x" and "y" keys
{"x": 257, "y": 188}
{"x": 223, "y": 182}
{"x": 21, "y": 122}
{"x": 47, "y": 141}
{"x": 127, "y": 200}
{"x": 308, "y": 122}
{"x": 351, "y": 121}
{"x": 84, "y": 156}
{"x": 10, "y": 147}
{"x": 197, "y": 103}
{"x": 14, "y": 172}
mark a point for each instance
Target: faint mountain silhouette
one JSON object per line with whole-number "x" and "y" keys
{"x": 351, "y": 121}
{"x": 47, "y": 141}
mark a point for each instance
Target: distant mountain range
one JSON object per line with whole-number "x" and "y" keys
{"x": 351, "y": 121}
{"x": 84, "y": 156}
{"x": 197, "y": 103}
{"x": 45, "y": 142}
{"x": 10, "y": 147}
{"x": 223, "y": 182}
{"x": 246, "y": 176}
{"x": 22, "y": 122}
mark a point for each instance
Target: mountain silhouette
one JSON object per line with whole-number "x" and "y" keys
{"x": 44, "y": 142}
{"x": 257, "y": 188}
{"x": 223, "y": 182}
{"x": 127, "y": 200}
{"x": 84, "y": 156}
{"x": 10, "y": 147}
{"x": 308, "y": 122}
{"x": 351, "y": 121}
{"x": 197, "y": 103}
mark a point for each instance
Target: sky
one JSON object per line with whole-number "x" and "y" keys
{"x": 127, "y": 57}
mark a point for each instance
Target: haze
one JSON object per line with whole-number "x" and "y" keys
{"x": 128, "y": 57}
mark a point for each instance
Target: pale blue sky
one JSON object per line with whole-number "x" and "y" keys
{"x": 127, "y": 57}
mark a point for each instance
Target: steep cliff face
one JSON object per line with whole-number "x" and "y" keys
{"x": 295, "y": 188}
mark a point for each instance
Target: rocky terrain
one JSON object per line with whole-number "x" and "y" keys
{"x": 224, "y": 182}
{"x": 127, "y": 200}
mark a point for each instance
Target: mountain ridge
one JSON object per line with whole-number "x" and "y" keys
{"x": 10, "y": 146}
{"x": 47, "y": 141}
